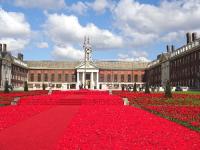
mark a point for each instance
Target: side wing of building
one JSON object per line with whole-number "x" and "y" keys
{"x": 179, "y": 66}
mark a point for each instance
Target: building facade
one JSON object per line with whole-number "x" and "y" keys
{"x": 13, "y": 69}
{"x": 179, "y": 66}
{"x": 87, "y": 74}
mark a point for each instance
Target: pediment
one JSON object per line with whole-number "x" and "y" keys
{"x": 87, "y": 65}
{"x": 163, "y": 58}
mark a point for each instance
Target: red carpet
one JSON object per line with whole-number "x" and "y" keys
{"x": 11, "y": 115}
{"x": 40, "y": 132}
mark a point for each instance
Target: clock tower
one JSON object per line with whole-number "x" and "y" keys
{"x": 87, "y": 49}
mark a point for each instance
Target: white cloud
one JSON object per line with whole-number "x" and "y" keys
{"x": 63, "y": 29}
{"x": 173, "y": 36}
{"x": 67, "y": 52}
{"x": 100, "y": 5}
{"x": 14, "y": 30}
{"x": 14, "y": 45}
{"x": 163, "y": 22}
{"x": 42, "y": 45}
{"x": 43, "y": 4}
{"x": 134, "y": 56}
{"x": 13, "y": 24}
{"x": 78, "y": 8}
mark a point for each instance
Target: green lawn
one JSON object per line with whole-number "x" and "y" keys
{"x": 187, "y": 101}
{"x": 187, "y": 92}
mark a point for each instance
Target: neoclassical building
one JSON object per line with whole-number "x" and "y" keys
{"x": 13, "y": 69}
{"x": 180, "y": 66}
{"x": 87, "y": 73}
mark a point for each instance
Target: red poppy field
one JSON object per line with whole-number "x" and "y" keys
{"x": 96, "y": 120}
{"x": 181, "y": 108}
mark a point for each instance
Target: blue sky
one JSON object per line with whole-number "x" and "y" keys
{"x": 118, "y": 29}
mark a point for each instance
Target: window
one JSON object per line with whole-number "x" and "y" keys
{"x": 32, "y": 77}
{"x": 142, "y": 78}
{"x": 122, "y": 78}
{"x": 199, "y": 55}
{"x": 108, "y": 78}
{"x": 59, "y": 77}
{"x": 66, "y": 77}
{"x": 37, "y": 86}
{"x": 101, "y": 77}
{"x": 52, "y": 77}
{"x": 129, "y": 78}
{"x": 46, "y": 77}
{"x": 39, "y": 77}
{"x": 73, "y": 78}
{"x": 136, "y": 78}
{"x": 58, "y": 85}
{"x": 115, "y": 78}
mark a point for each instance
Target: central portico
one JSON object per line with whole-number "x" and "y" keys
{"x": 87, "y": 71}
{"x": 87, "y": 76}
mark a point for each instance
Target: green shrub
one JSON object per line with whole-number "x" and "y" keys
{"x": 147, "y": 88}
{"x": 6, "y": 87}
{"x": 43, "y": 86}
{"x": 134, "y": 87}
{"x": 123, "y": 87}
{"x": 25, "y": 86}
{"x": 168, "y": 91}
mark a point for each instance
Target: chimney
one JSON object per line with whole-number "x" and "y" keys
{"x": 194, "y": 36}
{"x": 173, "y": 48}
{"x": 168, "y": 48}
{"x": 189, "y": 37}
{"x": 1, "y": 47}
{"x": 20, "y": 56}
{"x": 4, "y": 47}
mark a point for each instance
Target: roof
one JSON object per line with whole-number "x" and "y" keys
{"x": 121, "y": 65}
{"x": 115, "y": 65}
{"x": 52, "y": 64}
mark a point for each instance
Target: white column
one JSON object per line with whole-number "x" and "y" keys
{"x": 92, "y": 81}
{"x": 78, "y": 81}
{"x": 83, "y": 78}
{"x": 97, "y": 80}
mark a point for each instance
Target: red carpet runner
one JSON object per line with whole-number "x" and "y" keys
{"x": 40, "y": 132}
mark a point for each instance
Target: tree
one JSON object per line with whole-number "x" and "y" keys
{"x": 134, "y": 87}
{"x": 43, "y": 86}
{"x": 6, "y": 87}
{"x": 147, "y": 88}
{"x": 168, "y": 92}
{"x": 25, "y": 86}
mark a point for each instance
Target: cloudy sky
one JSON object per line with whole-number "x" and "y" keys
{"x": 118, "y": 29}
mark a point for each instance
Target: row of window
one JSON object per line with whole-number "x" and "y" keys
{"x": 191, "y": 83}
{"x": 39, "y": 86}
{"x": 18, "y": 77}
{"x": 108, "y": 78}
{"x": 51, "y": 77}
{"x": 186, "y": 72}
{"x": 103, "y": 78}
{"x": 186, "y": 59}
{"x": 19, "y": 69}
